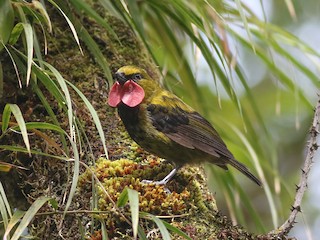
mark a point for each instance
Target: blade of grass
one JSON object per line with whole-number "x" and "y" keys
{"x": 42, "y": 125}
{"x": 24, "y": 150}
{"x": 3, "y": 209}
{"x": 5, "y": 200}
{"x": 40, "y": 7}
{"x": 176, "y": 230}
{"x": 6, "y": 21}
{"x": 16, "y": 217}
{"x": 22, "y": 125}
{"x": 1, "y": 80}
{"x": 28, "y": 216}
{"x": 29, "y": 39}
{"x": 164, "y": 231}
{"x": 104, "y": 230}
{"x": 73, "y": 30}
{"x": 75, "y": 177}
{"x": 6, "y": 114}
{"x": 83, "y": 7}
{"x": 133, "y": 197}
{"x": 67, "y": 97}
{"x": 141, "y": 233}
{"x": 94, "y": 115}
{"x": 52, "y": 115}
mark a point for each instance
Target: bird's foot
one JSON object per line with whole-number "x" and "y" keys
{"x": 154, "y": 182}
{"x": 163, "y": 181}
{"x": 160, "y": 183}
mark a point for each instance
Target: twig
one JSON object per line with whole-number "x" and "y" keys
{"x": 302, "y": 186}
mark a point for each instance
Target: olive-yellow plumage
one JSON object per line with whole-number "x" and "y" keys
{"x": 164, "y": 125}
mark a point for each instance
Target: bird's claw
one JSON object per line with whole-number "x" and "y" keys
{"x": 160, "y": 183}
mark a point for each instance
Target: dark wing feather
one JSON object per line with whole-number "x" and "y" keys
{"x": 189, "y": 129}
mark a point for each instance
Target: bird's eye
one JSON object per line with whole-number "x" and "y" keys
{"x": 137, "y": 77}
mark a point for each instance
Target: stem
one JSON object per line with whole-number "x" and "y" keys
{"x": 302, "y": 186}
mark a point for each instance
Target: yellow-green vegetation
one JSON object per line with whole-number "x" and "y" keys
{"x": 181, "y": 197}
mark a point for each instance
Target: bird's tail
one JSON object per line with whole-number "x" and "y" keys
{"x": 242, "y": 168}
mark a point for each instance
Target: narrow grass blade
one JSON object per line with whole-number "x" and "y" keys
{"x": 123, "y": 198}
{"x": 6, "y": 114}
{"x": 3, "y": 210}
{"x": 141, "y": 233}
{"x": 39, "y": 6}
{"x": 176, "y": 230}
{"x": 24, "y": 150}
{"x": 6, "y": 21}
{"x": 94, "y": 115}
{"x": 1, "y": 79}
{"x": 22, "y": 125}
{"x": 5, "y": 200}
{"x": 73, "y": 30}
{"x": 16, "y": 217}
{"x": 164, "y": 231}
{"x": 29, "y": 39}
{"x": 75, "y": 177}
{"x": 104, "y": 230}
{"x": 133, "y": 197}
{"x": 28, "y": 216}
{"x": 67, "y": 97}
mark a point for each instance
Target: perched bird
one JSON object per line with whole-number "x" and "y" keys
{"x": 164, "y": 125}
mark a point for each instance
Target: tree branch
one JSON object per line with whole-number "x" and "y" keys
{"x": 302, "y": 186}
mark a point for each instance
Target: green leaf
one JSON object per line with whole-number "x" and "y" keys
{"x": 133, "y": 197}
{"x": 104, "y": 230}
{"x": 29, "y": 39}
{"x": 16, "y": 33}
{"x": 123, "y": 198}
{"x": 54, "y": 204}
{"x": 94, "y": 115}
{"x": 28, "y": 216}
{"x": 141, "y": 233}
{"x": 96, "y": 52}
{"x": 5, "y": 118}
{"x": 21, "y": 123}
{"x": 5, "y": 200}
{"x": 42, "y": 125}
{"x": 3, "y": 210}
{"x": 6, "y": 21}
{"x": 16, "y": 217}
{"x": 39, "y": 6}
{"x": 73, "y": 30}
{"x": 176, "y": 230}
{"x": 75, "y": 177}
{"x": 164, "y": 231}
{"x": 67, "y": 97}
{"x": 1, "y": 81}
{"x": 82, "y": 6}
{"x": 24, "y": 150}
{"x": 135, "y": 13}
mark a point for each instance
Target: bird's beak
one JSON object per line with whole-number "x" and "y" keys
{"x": 120, "y": 77}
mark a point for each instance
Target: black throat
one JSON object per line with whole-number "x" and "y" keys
{"x": 129, "y": 115}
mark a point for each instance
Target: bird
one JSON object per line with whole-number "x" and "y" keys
{"x": 162, "y": 124}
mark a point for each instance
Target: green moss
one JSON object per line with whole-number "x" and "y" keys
{"x": 170, "y": 200}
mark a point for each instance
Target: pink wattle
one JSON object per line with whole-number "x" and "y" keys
{"x": 130, "y": 93}
{"x": 115, "y": 95}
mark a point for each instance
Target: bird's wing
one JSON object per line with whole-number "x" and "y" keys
{"x": 187, "y": 128}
